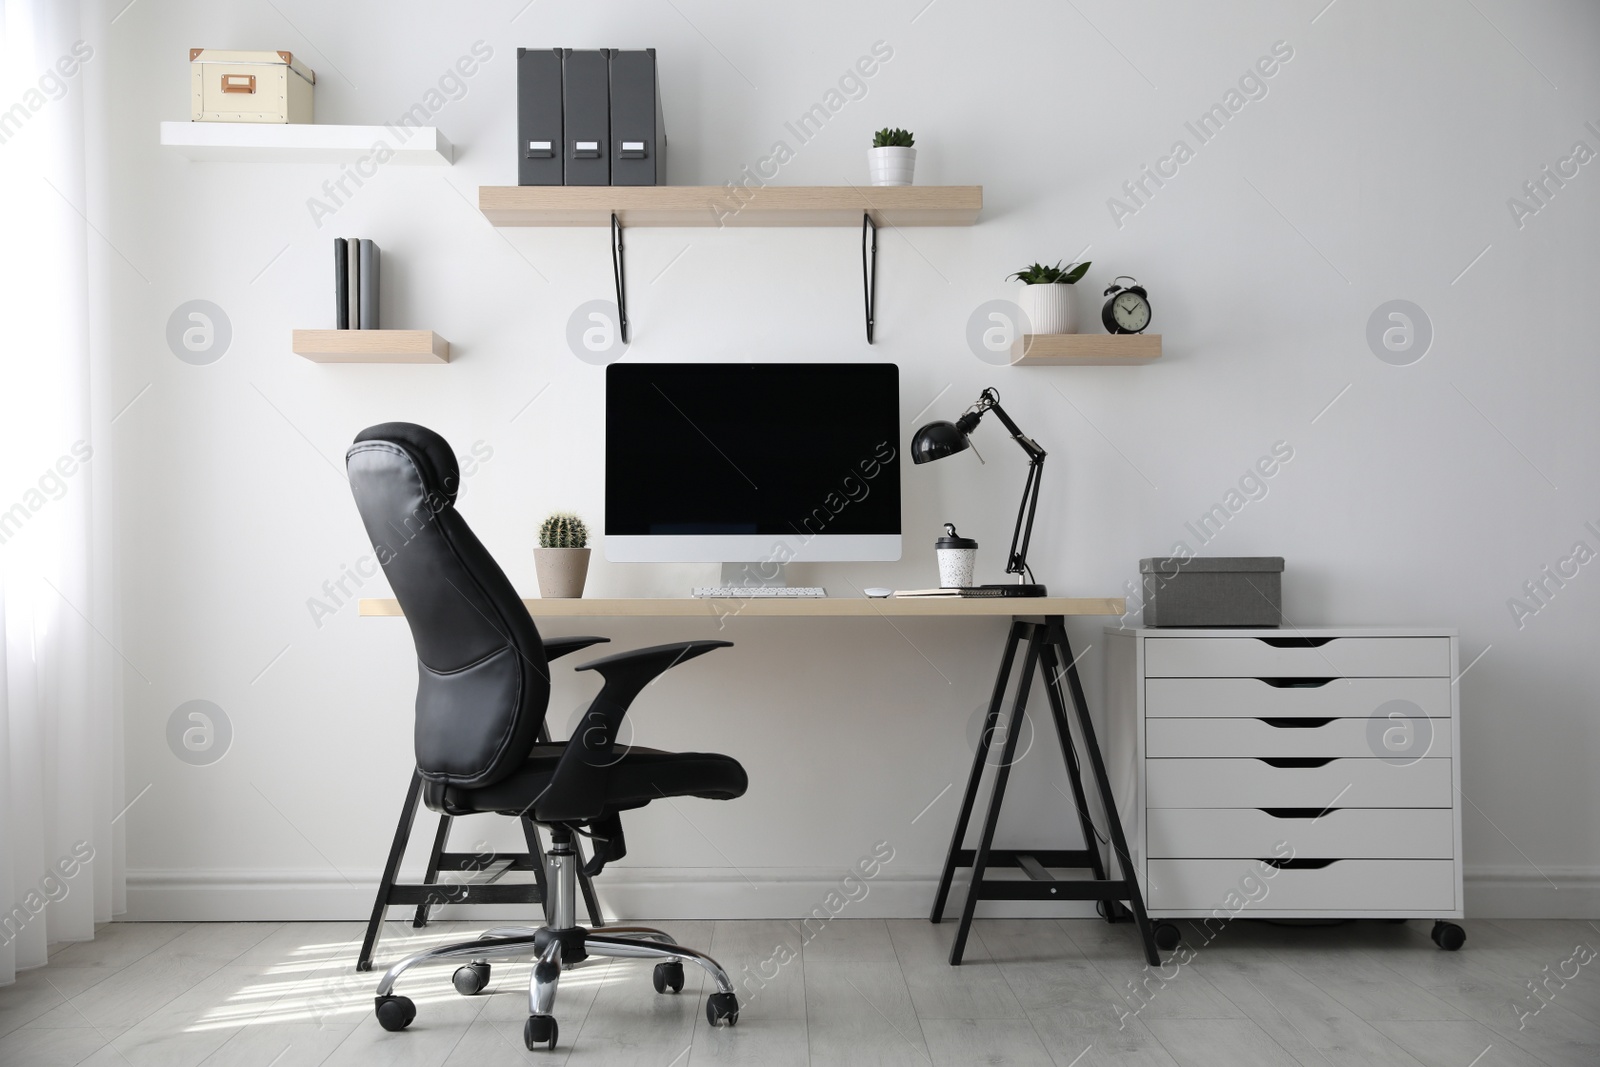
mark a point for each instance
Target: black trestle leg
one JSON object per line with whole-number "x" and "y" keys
{"x": 1001, "y": 681}
{"x": 991, "y": 818}
{"x": 1119, "y": 842}
{"x": 432, "y": 876}
{"x": 397, "y": 851}
{"x": 1049, "y": 653}
{"x": 1049, "y": 663}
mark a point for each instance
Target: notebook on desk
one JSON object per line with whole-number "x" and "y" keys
{"x": 980, "y": 592}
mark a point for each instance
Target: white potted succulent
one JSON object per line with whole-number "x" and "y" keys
{"x": 1046, "y": 296}
{"x": 891, "y": 159}
{"x": 562, "y": 558}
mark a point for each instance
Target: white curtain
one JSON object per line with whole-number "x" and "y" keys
{"x": 60, "y": 729}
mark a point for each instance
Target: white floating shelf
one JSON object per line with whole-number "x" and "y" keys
{"x": 280, "y": 142}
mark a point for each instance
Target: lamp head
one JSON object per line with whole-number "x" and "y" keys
{"x": 938, "y": 440}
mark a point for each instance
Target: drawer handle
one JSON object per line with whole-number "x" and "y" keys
{"x": 1297, "y": 724}
{"x": 1296, "y": 642}
{"x": 238, "y": 83}
{"x": 1299, "y": 864}
{"x": 1297, "y": 683}
{"x": 1296, "y": 761}
{"x": 1298, "y": 813}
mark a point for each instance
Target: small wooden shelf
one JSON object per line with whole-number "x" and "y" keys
{"x": 1085, "y": 349}
{"x": 282, "y": 142}
{"x": 371, "y": 346}
{"x": 716, "y": 205}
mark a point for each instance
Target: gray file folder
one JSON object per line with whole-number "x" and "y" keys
{"x": 638, "y": 136}
{"x": 539, "y": 116}
{"x": 586, "y": 116}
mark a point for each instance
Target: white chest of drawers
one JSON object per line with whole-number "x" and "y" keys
{"x": 1291, "y": 773}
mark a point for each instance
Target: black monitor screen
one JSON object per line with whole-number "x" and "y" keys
{"x": 785, "y": 448}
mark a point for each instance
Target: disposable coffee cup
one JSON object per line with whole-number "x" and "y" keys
{"x": 958, "y": 557}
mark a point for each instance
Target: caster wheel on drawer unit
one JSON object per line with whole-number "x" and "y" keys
{"x": 471, "y": 978}
{"x": 1168, "y": 936}
{"x": 1448, "y": 936}
{"x": 667, "y": 976}
{"x": 540, "y": 1030}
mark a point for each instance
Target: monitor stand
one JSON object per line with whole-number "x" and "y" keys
{"x": 747, "y": 575}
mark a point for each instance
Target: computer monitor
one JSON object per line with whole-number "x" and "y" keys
{"x": 752, "y": 463}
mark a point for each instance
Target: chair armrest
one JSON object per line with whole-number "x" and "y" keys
{"x": 556, "y": 647}
{"x": 578, "y": 787}
{"x": 645, "y": 664}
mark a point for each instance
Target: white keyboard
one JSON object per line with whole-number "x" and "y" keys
{"x": 759, "y": 592}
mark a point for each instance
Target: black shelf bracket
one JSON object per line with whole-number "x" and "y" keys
{"x": 869, "y": 267}
{"x": 620, "y": 277}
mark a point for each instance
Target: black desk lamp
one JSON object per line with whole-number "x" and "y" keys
{"x": 939, "y": 439}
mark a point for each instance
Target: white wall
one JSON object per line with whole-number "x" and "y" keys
{"x": 1377, "y": 167}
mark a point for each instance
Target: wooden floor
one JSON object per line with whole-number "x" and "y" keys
{"x": 1070, "y": 993}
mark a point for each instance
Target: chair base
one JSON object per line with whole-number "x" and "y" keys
{"x": 555, "y": 946}
{"x": 556, "y": 951}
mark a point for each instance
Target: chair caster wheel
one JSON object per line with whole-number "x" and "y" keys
{"x": 667, "y": 976}
{"x": 540, "y": 1030}
{"x": 394, "y": 1013}
{"x": 722, "y": 1008}
{"x": 1168, "y": 936}
{"x": 470, "y": 978}
{"x": 1448, "y": 936}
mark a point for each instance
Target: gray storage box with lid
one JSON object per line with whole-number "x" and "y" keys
{"x": 1218, "y": 591}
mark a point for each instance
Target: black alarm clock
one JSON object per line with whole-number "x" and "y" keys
{"x": 1127, "y": 308}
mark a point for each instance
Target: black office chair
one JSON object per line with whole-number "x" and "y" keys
{"x": 482, "y": 689}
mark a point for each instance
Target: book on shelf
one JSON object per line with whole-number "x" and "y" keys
{"x": 341, "y": 284}
{"x": 369, "y": 285}
{"x": 353, "y": 293}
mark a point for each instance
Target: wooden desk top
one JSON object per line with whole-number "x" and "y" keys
{"x": 811, "y": 607}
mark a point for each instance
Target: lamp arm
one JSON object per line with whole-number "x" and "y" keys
{"x": 1022, "y": 535}
{"x": 990, "y": 401}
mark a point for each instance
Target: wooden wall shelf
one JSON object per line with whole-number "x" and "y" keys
{"x": 281, "y": 142}
{"x": 1085, "y": 349}
{"x": 371, "y": 346}
{"x": 714, "y": 205}
{"x": 622, "y": 206}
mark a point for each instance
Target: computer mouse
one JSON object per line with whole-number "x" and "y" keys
{"x": 877, "y": 591}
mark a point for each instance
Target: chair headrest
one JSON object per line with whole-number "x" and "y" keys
{"x": 430, "y": 453}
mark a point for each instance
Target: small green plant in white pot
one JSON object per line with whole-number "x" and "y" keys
{"x": 562, "y": 558}
{"x": 1046, "y": 297}
{"x": 891, "y": 159}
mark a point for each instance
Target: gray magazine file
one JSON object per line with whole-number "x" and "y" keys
{"x": 638, "y": 135}
{"x": 539, "y": 116}
{"x": 586, "y": 116}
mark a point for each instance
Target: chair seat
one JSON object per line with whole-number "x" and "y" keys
{"x": 638, "y": 776}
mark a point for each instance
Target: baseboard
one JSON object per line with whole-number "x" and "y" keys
{"x": 219, "y": 895}
{"x": 625, "y": 893}
{"x": 1520, "y": 892}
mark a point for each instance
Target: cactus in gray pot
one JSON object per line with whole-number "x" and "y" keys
{"x": 563, "y": 530}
